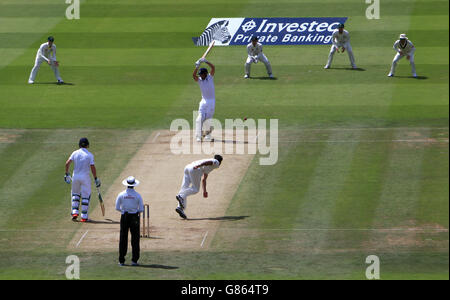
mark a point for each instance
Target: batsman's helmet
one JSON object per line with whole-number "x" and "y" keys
{"x": 218, "y": 157}
{"x": 83, "y": 143}
{"x": 203, "y": 71}
{"x": 51, "y": 39}
{"x": 341, "y": 25}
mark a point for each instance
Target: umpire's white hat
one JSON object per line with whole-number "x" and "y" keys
{"x": 130, "y": 181}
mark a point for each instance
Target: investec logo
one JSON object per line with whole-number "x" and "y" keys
{"x": 270, "y": 31}
{"x": 289, "y": 31}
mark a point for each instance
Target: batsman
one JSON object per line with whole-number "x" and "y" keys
{"x": 81, "y": 182}
{"x": 207, "y": 105}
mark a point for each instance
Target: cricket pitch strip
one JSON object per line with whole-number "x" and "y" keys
{"x": 160, "y": 173}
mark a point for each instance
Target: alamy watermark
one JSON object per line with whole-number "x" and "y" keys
{"x": 373, "y": 10}
{"x": 73, "y": 270}
{"x": 373, "y": 271}
{"x": 237, "y": 136}
{"x": 73, "y": 10}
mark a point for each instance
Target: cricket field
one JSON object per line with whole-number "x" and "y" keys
{"x": 362, "y": 166}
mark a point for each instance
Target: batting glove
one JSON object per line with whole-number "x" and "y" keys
{"x": 197, "y": 64}
{"x": 98, "y": 183}
{"x": 203, "y": 60}
{"x": 67, "y": 178}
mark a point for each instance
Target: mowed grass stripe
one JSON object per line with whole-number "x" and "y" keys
{"x": 318, "y": 202}
{"x": 208, "y": 10}
{"x": 226, "y": 75}
{"x": 304, "y": 57}
{"x": 25, "y": 170}
{"x": 433, "y": 202}
{"x": 355, "y": 206}
{"x": 123, "y": 40}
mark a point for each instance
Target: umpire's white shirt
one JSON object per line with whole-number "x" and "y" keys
{"x": 83, "y": 160}
{"x": 129, "y": 201}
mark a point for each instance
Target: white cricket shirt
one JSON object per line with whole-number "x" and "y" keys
{"x": 129, "y": 201}
{"x": 83, "y": 160}
{"x": 47, "y": 53}
{"x": 254, "y": 50}
{"x": 406, "y": 49}
{"x": 207, "y": 88}
{"x": 205, "y": 169}
{"x": 340, "y": 38}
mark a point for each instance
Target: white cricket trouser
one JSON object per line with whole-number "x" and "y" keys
{"x": 261, "y": 57}
{"x": 37, "y": 65}
{"x": 81, "y": 188}
{"x": 349, "y": 50}
{"x": 411, "y": 61}
{"x": 191, "y": 183}
{"x": 205, "y": 114}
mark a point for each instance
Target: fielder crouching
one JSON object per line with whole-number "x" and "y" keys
{"x": 47, "y": 53}
{"x": 255, "y": 54}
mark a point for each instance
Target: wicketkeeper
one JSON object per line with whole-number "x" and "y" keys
{"x": 191, "y": 181}
{"x": 81, "y": 181}
{"x": 340, "y": 39}
{"x": 403, "y": 47}
{"x": 255, "y": 54}
{"x": 47, "y": 53}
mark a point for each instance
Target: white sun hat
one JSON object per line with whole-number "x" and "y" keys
{"x": 403, "y": 36}
{"x": 130, "y": 181}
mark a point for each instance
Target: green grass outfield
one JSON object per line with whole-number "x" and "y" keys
{"x": 363, "y": 158}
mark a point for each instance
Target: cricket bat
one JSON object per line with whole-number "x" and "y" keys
{"x": 100, "y": 199}
{"x": 209, "y": 49}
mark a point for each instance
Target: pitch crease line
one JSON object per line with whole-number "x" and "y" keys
{"x": 79, "y": 242}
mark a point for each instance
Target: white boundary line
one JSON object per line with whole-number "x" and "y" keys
{"x": 79, "y": 242}
{"x": 204, "y": 239}
{"x": 156, "y": 136}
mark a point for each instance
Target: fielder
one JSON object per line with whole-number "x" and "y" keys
{"x": 255, "y": 54}
{"x": 193, "y": 173}
{"x": 340, "y": 39}
{"x": 81, "y": 182}
{"x": 208, "y": 103}
{"x": 403, "y": 47}
{"x": 47, "y": 53}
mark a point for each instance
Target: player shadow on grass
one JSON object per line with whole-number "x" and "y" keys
{"x": 106, "y": 221}
{"x": 347, "y": 68}
{"x": 409, "y": 77}
{"x": 264, "y": 78}
{"x": 223, "y": 218}
{"x": 154, "y": 266}
{"x": 230, "y": 142}
{"x": 55, "y": 83}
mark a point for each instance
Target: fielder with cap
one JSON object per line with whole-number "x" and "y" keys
{"x": 81, "y": 182}
{"x": 208, "y": 103}
{"x": 403, "y": 47}
{"x": 129, "y": 203}
{"x": 193, "y": 173}
{"x": 255, "y": 54}
{"x": 47, "y": 53}
{"x": 340, "y": 39}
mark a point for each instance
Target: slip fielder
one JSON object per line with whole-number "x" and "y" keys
{"x": 47, "y": 53}
{"x": 193, "y": 173}
{"x": 208, "y": 103}
{"x": 340, "y": 39}
{"x": 81, "y": 182}
{"x": 255, "y": 54}
{"x": 403, "y": 47}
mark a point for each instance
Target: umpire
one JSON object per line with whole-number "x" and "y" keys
{"x": 130, "y": 204}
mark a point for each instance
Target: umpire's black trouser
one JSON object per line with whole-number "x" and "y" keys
{"x": 129, "y": 222}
